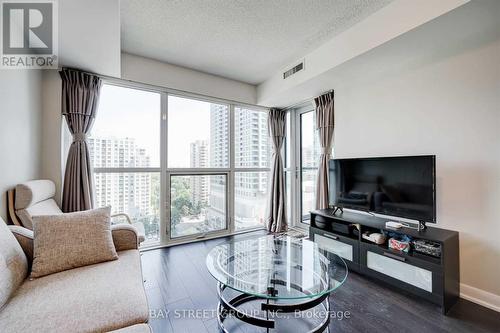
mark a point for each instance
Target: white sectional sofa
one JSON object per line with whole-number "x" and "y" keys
{"x": 97, "y": 298}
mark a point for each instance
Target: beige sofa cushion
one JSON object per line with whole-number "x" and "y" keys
{"x": 71, "y": 240}
{"x": 13, "y": 264}
{"x": 96, "y": 298}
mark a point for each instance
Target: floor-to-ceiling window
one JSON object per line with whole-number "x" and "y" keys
{"x": 309, "y": 161}
{"x": 252, "y": 157}
{"x": 198, "y": 166}
{"x": 290, "y": 168}
{"x": 186, "y": 166}
{"x": 302, "y": 151}
{"x": 125, "y": 153}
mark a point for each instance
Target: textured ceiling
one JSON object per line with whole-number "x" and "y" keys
{"x": 245, "y": 40}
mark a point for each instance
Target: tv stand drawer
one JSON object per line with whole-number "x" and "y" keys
{"x": 345, "y": 247}
{"x": 343, "y": 250}
{"x": 396, "y": 267}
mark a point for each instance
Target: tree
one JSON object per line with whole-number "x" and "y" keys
{"x": 181, "y": 199}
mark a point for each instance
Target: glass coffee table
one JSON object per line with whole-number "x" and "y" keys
{"x": 273, "y": 282}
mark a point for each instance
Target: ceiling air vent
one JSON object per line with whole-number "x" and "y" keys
{"x": 293, "y": 70}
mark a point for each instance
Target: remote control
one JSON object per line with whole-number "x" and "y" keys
{"x": 394, "y": 225}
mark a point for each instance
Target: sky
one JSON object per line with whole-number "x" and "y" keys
{"x": 188, "y": 121}
{"x": 117, "y": 117}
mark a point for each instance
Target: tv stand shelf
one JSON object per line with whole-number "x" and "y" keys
{"x": 432, "y": 278}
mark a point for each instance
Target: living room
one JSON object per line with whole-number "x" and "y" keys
{"x": 260, "y": 166}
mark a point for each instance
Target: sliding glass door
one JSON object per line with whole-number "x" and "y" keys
{"x": 302, "y": 159}
{"x": 309, "y": 160}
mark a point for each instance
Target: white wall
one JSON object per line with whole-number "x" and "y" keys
{"x": 158, "y": 73}
{"x": 89, "y": 35}
{"x": 20, "y": 130}
{"x": 427, "y": 94}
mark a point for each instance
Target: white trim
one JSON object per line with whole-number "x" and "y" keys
{"x": 198, "y": 171}
{"x": 127, "y": 170}
{"x": 232, "y": 156}
{"x": 481, "y": 297}
{"x": 252, "y": 169}
{"x": 301, "y": 222}
{"x": 164, "y": 227}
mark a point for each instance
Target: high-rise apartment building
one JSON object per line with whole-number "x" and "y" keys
{"x": 252, "y": 151}
{"x": 251, "y": 146}
{"x": 125, "y": 192}
{"x": 219, "y": 158}
{"x": 199, "y": 185}
{"x": 219, "y": 140}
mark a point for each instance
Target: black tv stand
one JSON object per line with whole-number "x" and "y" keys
{"x": 433, "y": 278}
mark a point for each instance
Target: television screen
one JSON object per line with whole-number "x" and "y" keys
{"x": 396, "y": 186}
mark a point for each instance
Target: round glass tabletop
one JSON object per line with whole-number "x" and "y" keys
{"x": 277, "y": 267}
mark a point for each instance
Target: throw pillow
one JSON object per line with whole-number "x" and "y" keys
{"x": 71, "y": 240}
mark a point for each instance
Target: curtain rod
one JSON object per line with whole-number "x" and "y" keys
{"x": 307, "y": 100}
{"x": 168, "y": 89}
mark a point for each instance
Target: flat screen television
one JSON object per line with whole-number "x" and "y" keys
{"x": 402, "y": 186}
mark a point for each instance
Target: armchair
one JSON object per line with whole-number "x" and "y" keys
{"x": 36, "y": 198}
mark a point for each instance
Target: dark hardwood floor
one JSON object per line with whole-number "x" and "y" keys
{"x": 182, "y": 298}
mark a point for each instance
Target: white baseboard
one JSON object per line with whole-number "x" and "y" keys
{"x": 480, "y": 297}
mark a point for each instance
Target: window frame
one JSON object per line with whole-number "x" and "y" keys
{"x": 165, "y": 236}
{"x": 203, "y": 234}
{"x": 169, "y": 172}
{"x": 295, "y": 168}
{"x": 122, "y": 170}
{"x": 290, "y": 166}
{"x": 304, "y": 219}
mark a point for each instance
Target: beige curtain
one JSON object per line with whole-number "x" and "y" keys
{"x": 325, "y": 126}
{"x": 276, "y": 207}
{"x": 80, "y": 96}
